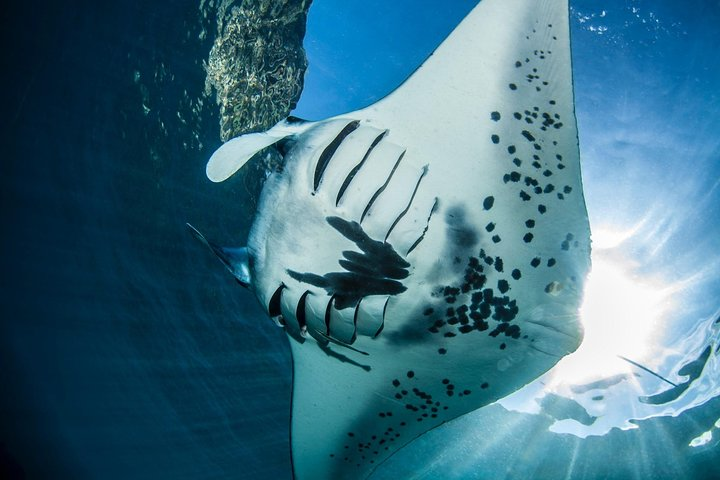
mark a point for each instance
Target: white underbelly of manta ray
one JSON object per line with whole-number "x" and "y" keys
{"x": 426, "y": 255}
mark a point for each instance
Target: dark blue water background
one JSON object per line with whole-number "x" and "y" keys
{"x": 126, "y": 352}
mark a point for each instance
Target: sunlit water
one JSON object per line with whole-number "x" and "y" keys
{"x": 127, "y": 353}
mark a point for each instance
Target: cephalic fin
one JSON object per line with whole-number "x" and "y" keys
{"x": 235, "y": 153}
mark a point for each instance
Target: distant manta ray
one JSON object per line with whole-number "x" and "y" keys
{"x": 426, "y": 255}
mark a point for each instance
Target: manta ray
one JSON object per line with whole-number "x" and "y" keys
{"x": 426, "y": 254}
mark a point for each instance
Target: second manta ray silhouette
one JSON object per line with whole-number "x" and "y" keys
{"x": 426, "y": 255}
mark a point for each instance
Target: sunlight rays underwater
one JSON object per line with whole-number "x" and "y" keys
{"x": 626, "y": 358}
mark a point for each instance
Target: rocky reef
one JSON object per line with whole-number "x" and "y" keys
{"x": 257, "y": 62}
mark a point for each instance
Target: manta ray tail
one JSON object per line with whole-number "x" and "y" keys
{"x": 234, "y": 259}
{"x": 647, "y": 370}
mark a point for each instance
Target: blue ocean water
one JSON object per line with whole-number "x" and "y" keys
{"x": 126, "y": 352}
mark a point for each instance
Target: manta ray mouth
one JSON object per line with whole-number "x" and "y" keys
{"x": 557, "y": 339}
{"x": 570, "y": 333}
{"x": 554, "y": 354}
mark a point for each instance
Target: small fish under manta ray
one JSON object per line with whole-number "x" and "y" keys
{"x": 426, "y": 255}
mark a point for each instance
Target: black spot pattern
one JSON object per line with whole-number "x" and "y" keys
{"x": 475, "y": 307}
{"x": 534, "y": 139}
{"x": 414, "y": 405}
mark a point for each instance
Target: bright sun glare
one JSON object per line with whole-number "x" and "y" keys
{"x": 620, "y": 312}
